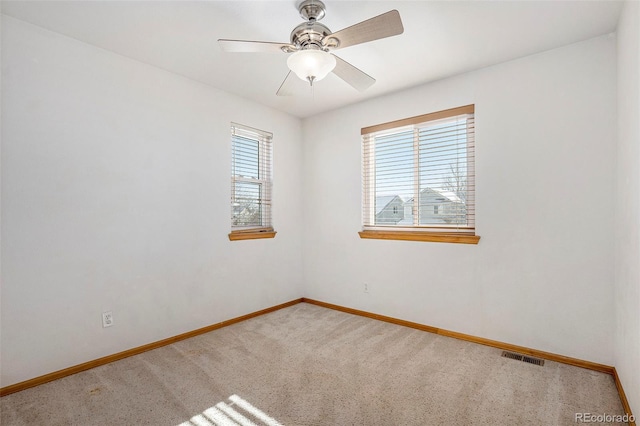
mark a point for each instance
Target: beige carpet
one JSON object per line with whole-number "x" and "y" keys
{"x": 307, "y": 365}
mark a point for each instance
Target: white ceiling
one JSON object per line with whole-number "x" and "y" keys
{"x": 441, "y": 38}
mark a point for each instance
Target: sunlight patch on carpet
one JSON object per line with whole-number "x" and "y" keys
{"x": 237, "y": 412}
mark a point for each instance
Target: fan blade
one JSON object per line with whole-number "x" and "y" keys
{"x": 286, "y": 88}
{"x": 352, "y": 75}
{"x": 385, "y": 25}
{"x": 248, "y": 46}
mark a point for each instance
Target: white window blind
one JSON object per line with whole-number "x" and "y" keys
{"x": 418, "y": 173}
{"x": 250, "y": 178}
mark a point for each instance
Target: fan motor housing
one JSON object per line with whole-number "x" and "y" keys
{"x": 309, "y": 35}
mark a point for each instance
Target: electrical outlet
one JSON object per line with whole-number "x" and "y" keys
{"x": 107, "y": 319}
{"x": 366, "y": 288}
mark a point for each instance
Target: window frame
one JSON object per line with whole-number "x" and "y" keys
{"x": 264, "y": 180}
{"x": 416, "y": 232}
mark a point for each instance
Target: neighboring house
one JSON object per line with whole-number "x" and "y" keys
{"x": 436, "y": 207}
{"x": 389, "y": 210}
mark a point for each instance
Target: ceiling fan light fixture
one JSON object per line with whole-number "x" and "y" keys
{"x": 311, "y": 42}
{"x": 311, "y": 65}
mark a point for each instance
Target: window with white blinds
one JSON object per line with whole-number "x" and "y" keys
{"x": 250, "y": 178}
{"x": 418, "y": 173}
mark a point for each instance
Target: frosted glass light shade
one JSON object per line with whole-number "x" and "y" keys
{"x": 311, "y": 65}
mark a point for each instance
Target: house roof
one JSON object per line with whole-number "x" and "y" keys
{"x": 384, "y": 200}
{"x": 450, "y": 196}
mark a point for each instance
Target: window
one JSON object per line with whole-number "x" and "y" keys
{"x": 426, "y": 163}
{"x": 250, "y": 183}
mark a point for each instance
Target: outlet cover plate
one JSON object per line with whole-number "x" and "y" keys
{"x": 107, "y": 319}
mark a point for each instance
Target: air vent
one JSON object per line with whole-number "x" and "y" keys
{"x": 511, "y": 355}
{"x": 523, "y": 358}
{"x": 531, "y": 360}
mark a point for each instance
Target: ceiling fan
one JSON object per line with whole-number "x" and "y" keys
{"x": 312, "y": 42}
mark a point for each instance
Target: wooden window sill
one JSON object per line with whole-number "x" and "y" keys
{"x": 251, "y": 235}
{"x": 437, "y": 237}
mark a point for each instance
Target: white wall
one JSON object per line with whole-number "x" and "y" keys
{"x": 542, "y": 274}
{"x": 115, "y": 196}
{"x": 627, "y": 266}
